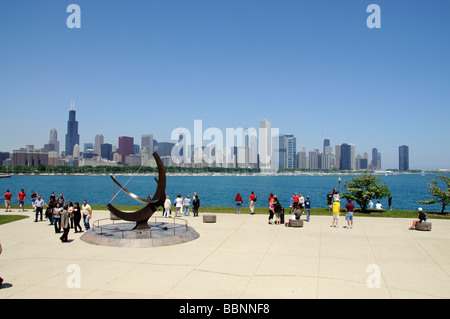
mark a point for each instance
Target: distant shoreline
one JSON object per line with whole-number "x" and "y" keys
{"x": 293, "y": 174}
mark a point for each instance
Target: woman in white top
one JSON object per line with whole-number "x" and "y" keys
{"x": 178, "y": 205}
{"x": 167, "y": 207}
{"x": 57, "y": 218}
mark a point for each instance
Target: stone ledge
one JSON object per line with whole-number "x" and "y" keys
{"x": 423, "y": 226}
{"x": 209, "y": 218}
{"x": 295, "y": 223}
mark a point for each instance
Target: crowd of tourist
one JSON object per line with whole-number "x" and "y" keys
{"x": 62, "y": 214}
{"x": 182, "y": 206}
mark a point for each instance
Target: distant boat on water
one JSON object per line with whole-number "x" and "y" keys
{"x": 4, "y": 176}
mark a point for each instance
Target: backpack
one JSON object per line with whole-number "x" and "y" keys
{"x": 254, "y": 198}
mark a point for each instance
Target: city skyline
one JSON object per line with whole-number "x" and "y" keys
{"x": 314, "y": 70}
{"x": 271, "y": 150}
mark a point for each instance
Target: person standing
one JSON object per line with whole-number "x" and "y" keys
{"x": 1, "y": 279}
{"x": 65, "y": 224}
{"x": 77, "y": 217}
{"x": 301, "y": 203}
{"x": 178, "y": 205}
{"x": 196, "y": 205}
{"x": 61, "y": 200}
{"x": 87, "y": 214}
{"x": 57, "y": 218}
{"x": 21, "y": 198}
{"x": 33, "y": 200}
{"x": 251, "y": 203}
{"x": 8, "y": 196}
{"x": 187, "y": 205}
{"x": 330, "y": 201}
{"x": 307, "y": 208}
{"x": 349, "y": 209}
{"x": 390, "y": 201}
{"x": 49, "y": 211}
{"x": 336, "y": 211}
{"x": 271, "y": 208}
{"x": 70, "y": 212}
{"x": 295, "y": 204}
{"x": 39, "y": 206}
{"x": 167, "y": 206}
{"x": 239, "y": 201}
{"x": 277, "y": 211}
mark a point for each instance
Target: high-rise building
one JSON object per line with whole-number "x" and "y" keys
{"x": 374, "y": 164}
{"x": 347, "y": 158}
{"x": 54, "y": 140}
{"x": 99, "y": 140}
{"x": 106, "y": 151}
{"x": 326, "y": 143}
{"x": 126, "y": 147}
{"x": 72, "y": 136}
{"x": 291, "y": 151}
{"x": 147, "y": 143}
{"x": 403, "y": 158}
{"x": 302, "y": 162}
{"x": 265, "y": 150}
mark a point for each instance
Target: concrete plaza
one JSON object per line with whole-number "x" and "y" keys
{"x": 238, "y": 257}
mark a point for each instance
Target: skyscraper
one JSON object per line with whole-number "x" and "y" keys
{"x": 403, "y": 158}
{"x": 265, "y": 150}
{"x": 54, "y": 139}
{"x": 347, "y": 159}
{"x": 72, "y": 136}
{"x": 99, "y": 140}
{"x": 126, "y": 147}
{"x": 147, "y": 143}
{"x": 326, "y": 143}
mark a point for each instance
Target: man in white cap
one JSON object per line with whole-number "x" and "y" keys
{"x": 422, "y": 218}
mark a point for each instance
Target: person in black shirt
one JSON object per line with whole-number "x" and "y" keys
{"x": 422, "y": 218}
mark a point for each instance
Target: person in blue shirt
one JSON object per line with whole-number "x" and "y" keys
{"x": 307, "y": 208}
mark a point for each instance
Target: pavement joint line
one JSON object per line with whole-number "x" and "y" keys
{"x": 434, "y": 260}
{"x": 205, "y": 258}
{"x": 375, "y": 257}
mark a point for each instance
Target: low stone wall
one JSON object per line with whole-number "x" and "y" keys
{"x": 209, "y": 218}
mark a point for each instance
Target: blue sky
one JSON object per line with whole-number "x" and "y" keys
{"x": 313, "y": 68}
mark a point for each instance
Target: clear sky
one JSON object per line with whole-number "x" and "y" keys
{"x": 313, "y": 68}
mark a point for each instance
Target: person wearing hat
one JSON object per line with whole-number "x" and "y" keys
{"x": 422, "y": 218}
{"x": 336, "y": 210}
{"x": 307, "y": 208}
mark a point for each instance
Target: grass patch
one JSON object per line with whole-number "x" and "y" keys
{"x": 4, "y": 219}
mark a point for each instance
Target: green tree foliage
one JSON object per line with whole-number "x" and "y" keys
{"x": 442, "y": 196}
{"x": 363, "y": 188}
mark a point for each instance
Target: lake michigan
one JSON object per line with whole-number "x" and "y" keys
{"x": 406, "y": 189}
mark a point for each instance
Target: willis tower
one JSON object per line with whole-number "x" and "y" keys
{"x": 72, "y": 136}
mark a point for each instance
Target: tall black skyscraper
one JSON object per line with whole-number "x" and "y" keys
{"x": 72, "y": 136}
{"x": 403, "y": 158}
{"x": 326, "y": 143}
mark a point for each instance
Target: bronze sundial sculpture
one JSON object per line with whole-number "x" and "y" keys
{"x": 151, "y": 206}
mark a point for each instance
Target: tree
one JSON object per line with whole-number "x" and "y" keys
{"x": 364, "y": 188}
{"x": 442, "y": 196}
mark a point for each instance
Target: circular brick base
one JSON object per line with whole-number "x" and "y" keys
{"x": 122, "y": 235}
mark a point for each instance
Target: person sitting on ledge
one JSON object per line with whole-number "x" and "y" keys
{"x": 422, "y": 218}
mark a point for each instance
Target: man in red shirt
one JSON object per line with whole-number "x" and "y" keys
{"x": 21, "y": 198}
{"x": 8, "y": 196}
{"x": 251, "y": 203}
{"x": 349, "y": 208}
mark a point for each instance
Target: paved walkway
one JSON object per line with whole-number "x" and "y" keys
{"x": 240, "y": 256}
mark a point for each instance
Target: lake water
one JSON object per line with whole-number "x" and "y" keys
{"x": 406, "y": 189}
